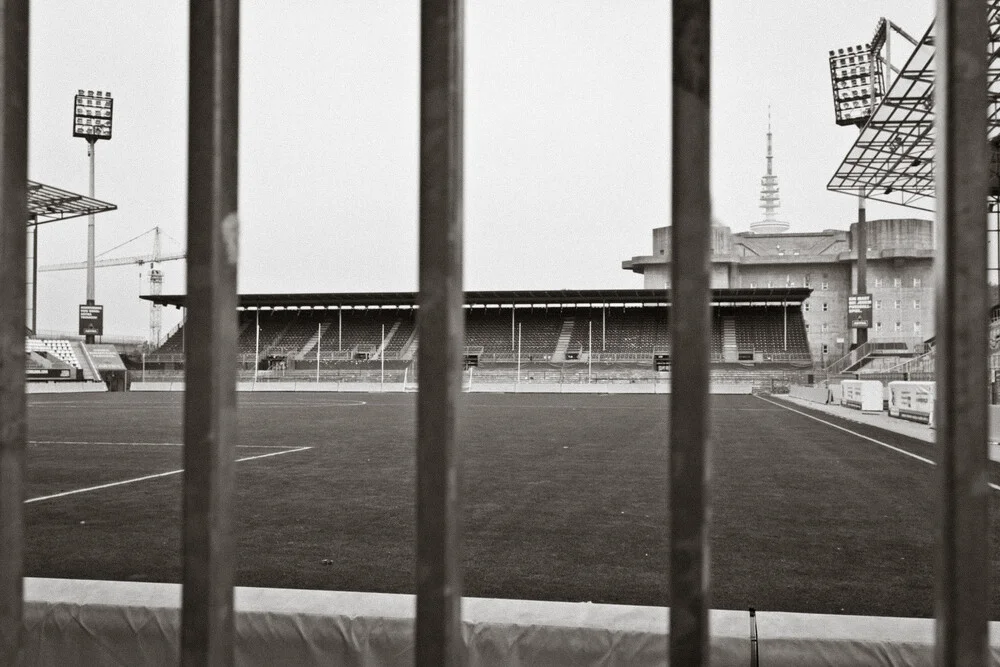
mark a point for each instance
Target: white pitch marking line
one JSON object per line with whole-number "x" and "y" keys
{"x": 993, "y": 486}
{"x": 140, "y": 444}
{"x": 156, "y": 476}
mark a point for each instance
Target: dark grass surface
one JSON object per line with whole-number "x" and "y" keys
{"x": 565, "y": 499}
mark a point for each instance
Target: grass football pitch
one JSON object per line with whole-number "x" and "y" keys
{"x": 564, "y": 497}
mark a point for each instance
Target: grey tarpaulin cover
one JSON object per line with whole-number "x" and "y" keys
{"x": 94, "y": 623}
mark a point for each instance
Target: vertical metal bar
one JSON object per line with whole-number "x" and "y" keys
{"x": 13, "y": 276}
{"x": 691, "y": 324}
{"x": 962, "y": 591}
{"x": 442, "y": 332}
{"x": 211, "y": 354}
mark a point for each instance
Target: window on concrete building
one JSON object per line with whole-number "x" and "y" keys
{"x": 807, "y": 326}
{"x": 826, "y": 349}
{"x": 917, "y": 282}
{"x": 878, "y": 282}
{"x": 898, "y": 327}
{"x": 805, "y": 306}
{"x": 917, "y": 328}
{"x": 897, "y": 282}
{"x": 878, "y": 327}
{"x": 897, "y": 304}
{"x": 806, "y": 280}
{"x": 826, "y": 306}
{"x": 878, "y": 304}
{"x": 916, "y": 304}
{"x": 824, "y": 285}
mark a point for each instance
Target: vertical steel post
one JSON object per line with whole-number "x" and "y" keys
{"x": 442, "y": 332}
{"x": 13, "y": 276}
{"x": 319, "y": 345}
{"x": 862, "y": 266}
{"x": 691, "y": 326}
{"x": 211, "y": 354}
{"x": 30, "y": 275}
{"x": 962, "y": 591}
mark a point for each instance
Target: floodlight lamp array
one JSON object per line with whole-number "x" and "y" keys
{"x": 92, "y": 114}
{"x": 851, "y": 73}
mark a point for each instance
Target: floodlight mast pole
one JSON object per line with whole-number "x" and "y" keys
{"x": 91, "y": 145}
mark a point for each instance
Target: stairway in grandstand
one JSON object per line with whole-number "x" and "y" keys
{"x": 90, "y": 373}
{"x": 388, "y": 338}
{"x": 730, "y": 352}
{"x": 310, "y": 344}
{"x": 559, "y": 354}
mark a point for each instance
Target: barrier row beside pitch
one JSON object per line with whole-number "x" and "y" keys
{"x": 497, "y": 387}
{"x": 64, "y": 387}
{"x": 77, "y": 622}
{"x": 359, "y": 387}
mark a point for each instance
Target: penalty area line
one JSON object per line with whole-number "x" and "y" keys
{"x": 899, "y": 450}
{"x": 144, "y": 478}
{"x": 144, "y": 444}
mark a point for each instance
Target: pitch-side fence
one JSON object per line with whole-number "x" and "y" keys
{"x": 962, "y": 592}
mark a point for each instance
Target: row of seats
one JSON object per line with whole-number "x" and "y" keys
{"x": 763, "y": 329}
{"x": 620, "y": 330}
{"x": 60, "y": 348}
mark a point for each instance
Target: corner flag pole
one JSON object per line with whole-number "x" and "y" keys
{"x": 256, "y": 351}
{"x": 590, "y": 348}
{"x": 518, "y": 353}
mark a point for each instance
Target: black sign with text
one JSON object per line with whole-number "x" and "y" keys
{"x": 859, "y": 311}
{"x": 91, "y": 320}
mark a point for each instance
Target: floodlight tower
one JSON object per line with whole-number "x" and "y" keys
{"x": 92, "y": 115}
{"x": 856, "y": 76}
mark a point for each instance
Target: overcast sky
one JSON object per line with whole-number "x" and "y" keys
{"x": 567, "y": 137}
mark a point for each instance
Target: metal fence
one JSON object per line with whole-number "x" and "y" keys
{"x": 962, "y": 594}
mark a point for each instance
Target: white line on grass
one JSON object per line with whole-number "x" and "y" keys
{"x": 924, "y": 459}
{"x": 140, "y": 444}
{"x": 156, "y": 476}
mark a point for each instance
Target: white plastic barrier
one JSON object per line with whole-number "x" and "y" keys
{"x": 912, "y": 400}
{"x": 864, "y": 395}
{"x": 813, "y": 394}
{"x": 64, "y": 387}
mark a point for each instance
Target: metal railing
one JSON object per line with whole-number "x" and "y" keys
{"x": 961, "y": 592}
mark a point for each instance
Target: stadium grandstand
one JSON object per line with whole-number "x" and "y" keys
{"x": 625, "y": 332}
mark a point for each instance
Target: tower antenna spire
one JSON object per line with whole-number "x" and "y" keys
{"x": 769, "y": 198}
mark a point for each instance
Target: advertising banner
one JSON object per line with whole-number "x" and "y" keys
{"x": 859, "y": 311}
{"x": 91, "y": 320}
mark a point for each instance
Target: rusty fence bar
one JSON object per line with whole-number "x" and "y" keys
{"x": 690, "y": 323}
{"x": 438, "y": 639}
{"x": 13, "y": 250}
{"x": 210, "y": 361}
{"x": 962, "y": 592}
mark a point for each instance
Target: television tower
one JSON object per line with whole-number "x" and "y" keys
{"x": 769, "y": 199}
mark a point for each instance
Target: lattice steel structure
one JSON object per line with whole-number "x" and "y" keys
{"x": 49, "y": 204}
{"x": 892, "y": 159}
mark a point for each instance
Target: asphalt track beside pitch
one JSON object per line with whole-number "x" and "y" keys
{"x": 565, "y": 498}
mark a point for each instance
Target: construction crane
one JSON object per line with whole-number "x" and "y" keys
{"x": 155, "y": 275}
